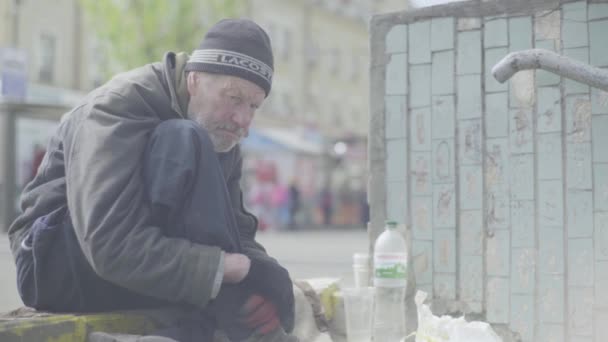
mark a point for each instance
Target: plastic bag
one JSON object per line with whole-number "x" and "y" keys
{"x": 449, "y": 329}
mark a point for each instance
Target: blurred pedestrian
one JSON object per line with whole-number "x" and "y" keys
{"x": 139, "y": 204}
{"x": 326, "y": 201}
{"x": 293, "y": 203}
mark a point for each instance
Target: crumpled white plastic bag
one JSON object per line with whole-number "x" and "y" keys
{"x": 449, "y": 329}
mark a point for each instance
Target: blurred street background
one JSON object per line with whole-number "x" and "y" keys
{"x": 305, "y": 157}
{"x": 305, "y": 166}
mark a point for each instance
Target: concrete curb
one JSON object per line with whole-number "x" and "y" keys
{"x": 27, "y": 325}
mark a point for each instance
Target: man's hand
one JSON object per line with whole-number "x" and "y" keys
{"x": 236, "y": 267}
{"x": 260, "y": 314}
{"x": 273, "y": 282}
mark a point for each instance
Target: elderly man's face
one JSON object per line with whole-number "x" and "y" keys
{"x": 224, "y": 106}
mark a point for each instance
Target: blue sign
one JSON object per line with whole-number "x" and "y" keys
{"x": 13, "y": 73}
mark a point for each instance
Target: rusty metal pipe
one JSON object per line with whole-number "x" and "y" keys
{"x": 552, "y": 62}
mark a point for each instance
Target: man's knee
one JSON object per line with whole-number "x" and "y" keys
{"x": 182, "y": 134}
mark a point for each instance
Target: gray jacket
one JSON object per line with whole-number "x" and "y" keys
{"x": 93, "y": 164}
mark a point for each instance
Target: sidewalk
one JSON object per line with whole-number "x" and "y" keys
{"x": 9, "y": 297}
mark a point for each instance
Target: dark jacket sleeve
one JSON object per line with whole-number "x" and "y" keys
{"x": 113, "y": 222}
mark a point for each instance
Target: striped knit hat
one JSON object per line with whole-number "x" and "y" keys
{"x": 237, "y": 47}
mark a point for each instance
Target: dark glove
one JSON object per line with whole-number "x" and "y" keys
{"x": 260, "y": 314}
{"x": 226, "y": 308}
{"x": 272, "y": 281}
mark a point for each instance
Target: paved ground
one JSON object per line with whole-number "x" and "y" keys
{"x": 319, "y": 253}
{"x": 306, "y": 253}
{"x": 9, "y": 298}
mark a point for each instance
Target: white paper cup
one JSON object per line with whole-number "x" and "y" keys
{"x": 361, "y": 272}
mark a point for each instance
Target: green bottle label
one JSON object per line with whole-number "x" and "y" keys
{"x": 393, "y": 272}
{"x": 390, "y": 269}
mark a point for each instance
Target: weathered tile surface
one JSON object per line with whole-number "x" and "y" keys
{"x": 420, "y": 173}
{"x": 492, "y": 57}
{"x": 442, "y": 34}
{"x": 520, "y": 33}
{"x": 580, "y": 311}
{"x": 422, "y": 220}
{"x": 523, "y": 316}
{"x": 601, "y": 235}
{"x": 396, "y": 39}
{"x": 469, "y": 53}
{"x": 597, "y": 43}
{"x": 496, "y": 33}
{"x": 444, "y": 168}
{"x": 444, "y": 207}
{"x": 419, "y": 35}
{"x": 549, "y": 156}
{"x": 469, "y": 139}
{"x": 497, "y": 115}
{"x": 523, "y": 271}
{"x": 396, "y": 74}
{"x": 600, "y": 186}
{"x": 471, "y": 233}
{"x": 497, "y": 304}
{"x": 444, "y": 245}
{"x": 397, "y": 201}
{"x": 396, "y": 165}
{"x": 443, "y": 73}
{"x": 580, "y": 262}
{"x": 420, "y": 129}
{"x": 420, "y": 86}
{"x": 396, "y": 117}
{"x": 549, "y": 110}
{"x": 498, "y": 256}
{"x": 469, "y": 96}
{"x": 551, "y": 299}
{"x": 444, "y": 111}
{"x": 580, "y": 213}
{"x": 523, "y": 224}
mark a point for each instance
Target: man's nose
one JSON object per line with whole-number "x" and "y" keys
{"x": 243, "y": 117}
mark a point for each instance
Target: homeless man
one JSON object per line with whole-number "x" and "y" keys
{"x": 137, "y": 202}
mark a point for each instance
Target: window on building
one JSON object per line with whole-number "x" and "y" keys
{"x": 46, "y": 71}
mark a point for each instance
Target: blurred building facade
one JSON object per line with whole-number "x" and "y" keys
{"x": 45, "y": 66}
{"x": 320, "y": 92}
{"x": 315, "y": 119}
{"x": 52, "y": 40}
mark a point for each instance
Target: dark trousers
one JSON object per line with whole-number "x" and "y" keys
{"x": 184, "y": 182}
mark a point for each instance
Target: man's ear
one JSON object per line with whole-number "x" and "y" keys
{"x": 192, "y": 81}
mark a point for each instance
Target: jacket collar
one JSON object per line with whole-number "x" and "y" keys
{"x": 174, "y": 64}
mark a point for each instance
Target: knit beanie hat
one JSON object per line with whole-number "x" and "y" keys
{"x": 236, "y": 47}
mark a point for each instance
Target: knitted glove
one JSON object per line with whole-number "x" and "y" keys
{"x": 226, "y": 308}
{"x": 269, "y": 279}
{"x": 260, "y": 314}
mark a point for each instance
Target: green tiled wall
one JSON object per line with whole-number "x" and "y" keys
{"x": 504, "y": 186}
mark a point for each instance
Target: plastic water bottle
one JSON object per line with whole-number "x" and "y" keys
{"x": 390, "y": 280}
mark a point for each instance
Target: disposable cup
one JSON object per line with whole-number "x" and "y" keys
{"x": 359, "y": 308}
{"x": 361, "y": 269}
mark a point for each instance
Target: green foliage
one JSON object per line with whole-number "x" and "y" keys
{"x": 135, "y": 32}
